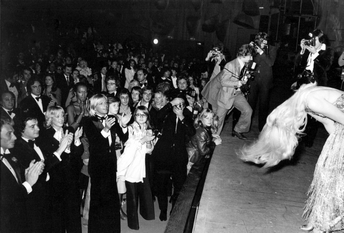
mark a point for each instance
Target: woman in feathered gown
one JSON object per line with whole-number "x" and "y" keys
{"x": 324, "y": 210}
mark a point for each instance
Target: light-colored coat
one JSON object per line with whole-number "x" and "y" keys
{"x": 221, "y": 90}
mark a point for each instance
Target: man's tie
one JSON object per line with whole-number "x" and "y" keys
{"x": 242, "y": 72}
{"x": 38, "y": 98}
{"x": 10, "y": 112}
{"x": 31, "y": 143}
{"x": 12, "y": 85}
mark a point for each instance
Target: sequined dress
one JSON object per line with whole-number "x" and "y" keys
{"x": 324, "y": 209}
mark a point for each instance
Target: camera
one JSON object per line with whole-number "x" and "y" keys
{"x": 310, "y": 42}
{"x": 254, "y": 45}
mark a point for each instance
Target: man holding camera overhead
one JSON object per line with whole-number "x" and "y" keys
{"x": 314, "y": 60}
{"x": 261, "y": 85}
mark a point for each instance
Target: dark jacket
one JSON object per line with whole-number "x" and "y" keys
{"x": 200, "y": 145}
{"x": 170, "y": 149}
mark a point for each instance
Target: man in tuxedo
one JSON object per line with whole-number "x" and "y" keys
{"x": 13, "y": 191}
{"x": 10, "y": 83}
{"x": 147, "y": 94}
{"x": 7, "y": 110}
{"x": 35, "y": 104}
{"x": 65, "y": 82}
{"x": 100, "y": 83}
{"x": 27, "y": 150}
{"x": 223, "y": 92}
{"x": 143, "y": 78}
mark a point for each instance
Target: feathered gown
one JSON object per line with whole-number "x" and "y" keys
{"x": 324, "y": 209}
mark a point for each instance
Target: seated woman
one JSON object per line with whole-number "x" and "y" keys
{"x": 51, "y": 90}
{"x": 204, "y": 141}
{"x": 324, "y": 210}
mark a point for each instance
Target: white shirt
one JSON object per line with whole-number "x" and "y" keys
{"x": 312, "y": 57}
{"x": 14, "y": 90}
{"x": 10, "y": 168}
{"x": 39, "y": 102}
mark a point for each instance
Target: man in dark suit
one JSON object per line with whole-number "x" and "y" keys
{"x": 27, "y": 150}
{"x": 13, "y": 191}
{"x": 144, "y": 78}
{"x": 35, "y": 104}
{"x": 100, "y": 82}
{"x": 65, "y": 82}
{"x": 169, "y": 155}
{"x": 261, "y": 85}
{"x": 7, "y": 110}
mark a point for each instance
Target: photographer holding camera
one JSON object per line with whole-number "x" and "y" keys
{"x": 216, "y": 54}
{"x": 261, "y": 85}
{"x": 312, "y": 64}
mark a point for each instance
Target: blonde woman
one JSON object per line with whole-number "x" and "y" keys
{"x": 324, "y": 211}
{"x": 204, "y": 141}
{"x": 63, "y": 191}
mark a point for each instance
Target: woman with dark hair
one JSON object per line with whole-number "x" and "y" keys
{"x": 131, "y": 168}
{"x": 51, "y": 90}
{"x": 324, "y": 210}
{"x": 129, "y": 72}
{"x": 78, "y": 109}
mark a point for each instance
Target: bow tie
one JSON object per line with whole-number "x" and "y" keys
{"x": 12, "y": 85}
{"x": 10, "y": 112}
{"x": 7, "y": 156}
{"x": 38, "y": 98}
{"x": 31, "y": 143}
{"x": 103, "y": 118}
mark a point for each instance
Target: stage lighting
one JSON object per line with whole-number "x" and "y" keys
{"x": 155, "y": 41}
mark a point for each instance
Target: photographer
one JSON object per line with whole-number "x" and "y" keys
{"x": 314, "y": 60}
{"x": 216, "y": 54}
{"x": 261, "y": 85}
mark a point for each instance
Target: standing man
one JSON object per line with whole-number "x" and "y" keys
{"x": 261, "y": 85}
{"x": 65, "y": 82}
{"x": 13, "y": 192}
{"x": 223, "y": 92}
{"x": 312, "y": 64}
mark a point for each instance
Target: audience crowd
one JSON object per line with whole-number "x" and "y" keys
{"x": 101, "y": 127}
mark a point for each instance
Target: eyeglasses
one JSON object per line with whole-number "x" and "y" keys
{"x": 140, "y": 115}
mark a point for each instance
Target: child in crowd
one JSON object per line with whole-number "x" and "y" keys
{"x": 204, "y": 141}
{"x": 131, "y": 167}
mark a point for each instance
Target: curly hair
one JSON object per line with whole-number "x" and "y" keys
{"x": 279, "y": 137}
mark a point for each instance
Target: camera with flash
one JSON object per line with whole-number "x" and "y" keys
{"x": 311, "y": 41}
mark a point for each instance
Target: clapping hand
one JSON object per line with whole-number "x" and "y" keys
{"x": 78, "y": 134}
{"x": 34, "y": 170}
{"x": 124, "y": 119}
{"x": 109, "y": 122}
